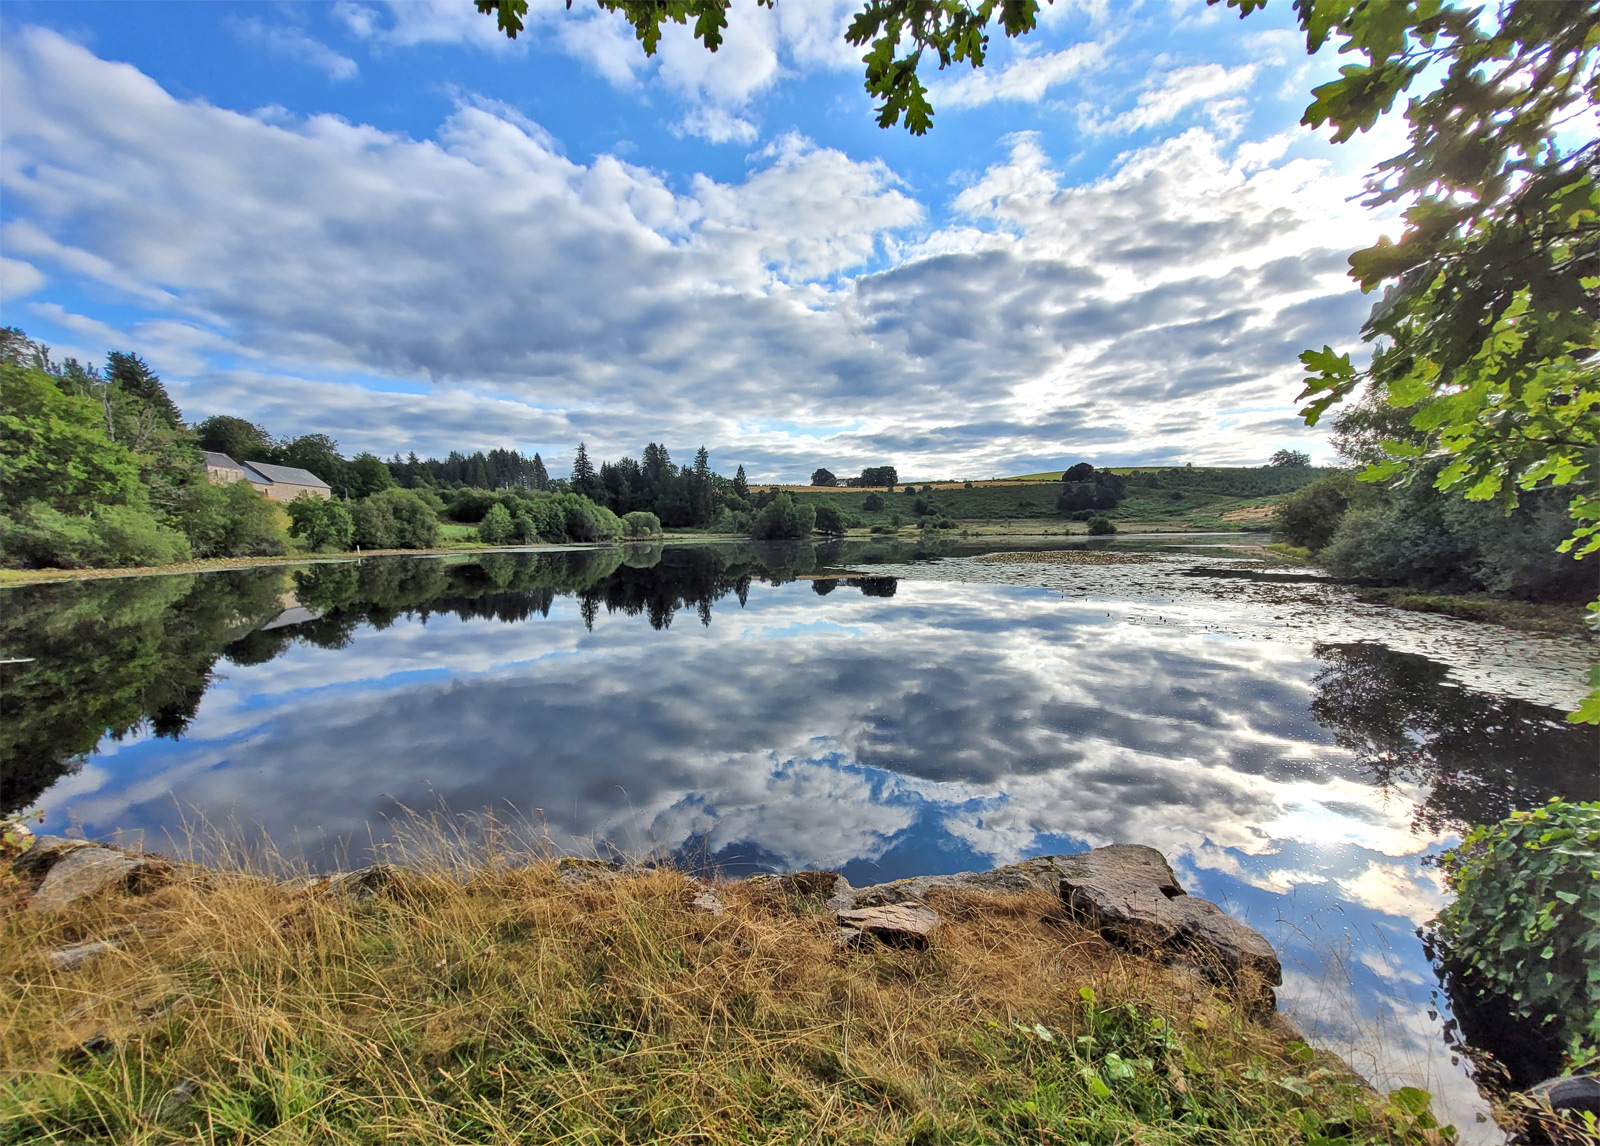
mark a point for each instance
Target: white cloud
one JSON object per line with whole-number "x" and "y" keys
{"x": 717, "y": 125}
{"x": 294, "y": 44}
{"x": 18, "y": 279}
{"x": 1026, "y": 79}
{"x": 1168, "y": 95}
{"x": 1155, "y": 312}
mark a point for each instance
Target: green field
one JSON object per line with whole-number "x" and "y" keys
{"x": 1194, "y": 497}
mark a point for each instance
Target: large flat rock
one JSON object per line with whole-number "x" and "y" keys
{"x": 72, "y": 873}
{"x": 1126, "y": 892}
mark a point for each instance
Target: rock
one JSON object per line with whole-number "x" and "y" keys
{"x": 574, "y": 871}
{"x": 82, "y": 871}
{"x": 1126, "y": 892}
{"x": 365, "y": 883}
{"x": 898, "y": 924}
{"x": 848, "y": 937}
{"x": 71, "y": 958}
{"x": 1206, "y": 929}
{"x": 46, "y": 851}
{"x": 704, "y": 898}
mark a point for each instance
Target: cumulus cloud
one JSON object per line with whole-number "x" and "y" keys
{"x": 1137, "y": 313}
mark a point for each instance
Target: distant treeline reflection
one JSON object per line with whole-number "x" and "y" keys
{"x": 109, "y": 658}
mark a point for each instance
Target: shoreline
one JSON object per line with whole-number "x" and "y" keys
{"x": 519, "y": 1001}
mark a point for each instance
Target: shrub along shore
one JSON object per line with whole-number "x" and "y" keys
{"x": 468, "y": 997}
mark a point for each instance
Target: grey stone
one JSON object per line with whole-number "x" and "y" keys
{"x": 84, "y": 871}
{"x": 1126, "y": 892}
{"x": 71, "y": 958}
{"x": 574, "y": 871}
{"x": 897, "y": 924}
{"x": 704, "y": 898}
{"x": 365, "y": 883}
{"x": 45, "y": 853}
{"x": 1206, "y": 928}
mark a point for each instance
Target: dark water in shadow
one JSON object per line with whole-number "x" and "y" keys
{"x": 720, "y": 706}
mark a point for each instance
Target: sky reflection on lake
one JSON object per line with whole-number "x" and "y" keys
{"x": 824, "y": 724}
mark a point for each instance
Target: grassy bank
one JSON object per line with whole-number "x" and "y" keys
{"x": 472, "y": 1004}
{"x": 1524, "y": 616}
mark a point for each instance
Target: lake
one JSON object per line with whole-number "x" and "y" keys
{"x": 883, "y": 709}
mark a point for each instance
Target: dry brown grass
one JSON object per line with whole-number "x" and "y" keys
{"x": 497, "y": 1003}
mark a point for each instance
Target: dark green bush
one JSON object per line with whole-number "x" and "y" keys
{"x": 394, "y": 519}
{"x": 783, "y": 520}
{"x": 1525, "y": 923}
{"x": 829, "y": 519}
{"x": 1101, "y": 526}
{"x": 496, "y": 528}
{"x": 872, "y": 503}
{"x": 322, "y": 523}
{"x": 1309, "y": 516}
{"x": 641, "y": 523}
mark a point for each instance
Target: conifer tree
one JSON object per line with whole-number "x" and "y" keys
{"x": 740, "y": 485}
{"x": 582, "y": 469}
{"x": 541, "y": 477}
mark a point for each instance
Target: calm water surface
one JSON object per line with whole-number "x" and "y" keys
{"x": 883, "y": 711}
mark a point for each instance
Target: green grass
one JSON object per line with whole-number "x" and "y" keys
{"x": 1524, "y": 616}
{"x": 475, "y": 1003}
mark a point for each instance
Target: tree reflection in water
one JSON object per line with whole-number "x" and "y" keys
{"x": 107, "y": 658}
{"x": 1473, "y": 758}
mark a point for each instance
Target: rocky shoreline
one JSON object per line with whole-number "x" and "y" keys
{"x": 1127, "y": 893}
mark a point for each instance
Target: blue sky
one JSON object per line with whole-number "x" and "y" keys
{"x": 386, "y": 222}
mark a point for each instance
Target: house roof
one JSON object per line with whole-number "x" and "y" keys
{"x": 283, "y": 475}
{"x": 221, "y": 461}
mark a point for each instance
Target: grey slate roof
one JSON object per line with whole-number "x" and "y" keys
{"x": 282, "y": 475}
{"x": 221, "y": 461}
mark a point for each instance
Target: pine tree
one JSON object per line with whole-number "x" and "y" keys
{"x": 701, "y": 494}
{"x": 134, "y": 377}
{"x": 541, "y": 477}
{"x": 582, "y": 469}
{"x": 740, "y": 485}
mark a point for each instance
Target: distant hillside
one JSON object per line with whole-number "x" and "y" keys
{"x": 1055, "y": 474}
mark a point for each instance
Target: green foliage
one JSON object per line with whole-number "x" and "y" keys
{"x": 1423, "y": 537}
{"x": 783, "y": 520}
{"x": 871, "y": 476}
{"x": 640, "y": 523}
{"x": 54, "y": 449}
{"x": 38, "y": 535}
{"x": 829, "y": 519}
{"x": 823, "y": 477}
{"x": 497, "y": 527}
{"x": 1525, "y": 922}
{"x": 320, "y": 522}
{"x": 1101, "y": 526}
{"x": 229, "y": 520}
{"x": 1290, "y": 458}
{"x": 366, "y": 475}
{"x": 1308, "y": 517}
{"x": 1487, "y": 332}
{"x": 872, "y": 503}
{"x": 241, "y": 440}
{"x": 394, "y": 519}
